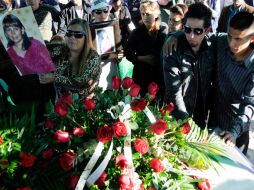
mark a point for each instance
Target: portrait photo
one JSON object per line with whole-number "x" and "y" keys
{"x": 105, "y": 40}
{"x": 23, "y": 42}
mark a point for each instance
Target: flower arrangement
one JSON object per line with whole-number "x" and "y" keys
{"x": 116, "y": 140}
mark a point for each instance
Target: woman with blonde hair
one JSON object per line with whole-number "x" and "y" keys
{"x": 144, "y": 46}
{"x": 77, "y": 63}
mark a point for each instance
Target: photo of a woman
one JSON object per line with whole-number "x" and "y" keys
{"x": 29, "y": 55}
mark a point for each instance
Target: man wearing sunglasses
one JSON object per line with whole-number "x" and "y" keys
{"x": 187, "y": 71}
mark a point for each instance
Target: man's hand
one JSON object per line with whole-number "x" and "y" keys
{"x": 169, "y": 46}
{"x": 228, "y": 138}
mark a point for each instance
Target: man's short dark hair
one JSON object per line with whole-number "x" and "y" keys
{"x": 199, "y": 11}
{"x": 241, "y": 21}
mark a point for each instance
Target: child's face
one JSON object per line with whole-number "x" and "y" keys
{"x": 14, "y": 33}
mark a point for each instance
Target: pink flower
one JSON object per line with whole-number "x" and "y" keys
{"x": 78, "y": 131}
{"x": 157, "y": 165}
{"x": 125, "y": 182}
{"x": 122, "y": 162}
{"x": 61, "y": 136}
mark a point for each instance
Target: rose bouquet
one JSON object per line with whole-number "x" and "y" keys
{"x": 116, "y": 140}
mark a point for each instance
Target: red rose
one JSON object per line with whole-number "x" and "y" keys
{"x": 186, "y": 128}
{"x": 101, "y": 180}
{"x": 125, "y": 182}
{"x": 168, "y": 108}
{"x": 1, "y": 140}
{"x": 61, "y": 136}
{"x": 138, "y": 105}
{"x": 23, "y": 188}
{"x": 49, "y": 123}
{"x": 67, "y": 98}
{"x": 159, "y": 127}
{"x": 61, "y": 108}
{"x": 204, "y": 185}
{"x": 157, "y": 165}
{"x": 134, "y": 91}
{"x": 27, "y": 160}
{"x": 48, "y": 153}
{"x": 141, "y": 146}
{"x": 127, "y": 82}
{"x": 116, "y": 82}
{"x": 104, "y": 134}
{"x": 153, "y": 88}
{"x": 119, "y": 129}
{"x": 122, "y": 162}
{"x": 78, "y": 131}
{"x": 89, "y": 104}
{"x": 73, "y": 181}
{"x": 66, "y": 160}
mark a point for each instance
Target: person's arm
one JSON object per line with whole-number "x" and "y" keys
{"x": 170, "y": 44}
{"x": 173, "y": 85}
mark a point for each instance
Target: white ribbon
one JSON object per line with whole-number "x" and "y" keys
{"x": 97, "y": 173}
{"x": 97, "y": 153}
{"x": 150, "y": 115}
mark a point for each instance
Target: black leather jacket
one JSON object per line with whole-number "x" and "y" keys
{"x": 183, "y": 72}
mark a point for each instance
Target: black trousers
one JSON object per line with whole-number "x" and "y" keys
{"x": 243, "y": 140}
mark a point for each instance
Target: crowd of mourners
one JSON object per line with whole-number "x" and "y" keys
{"x": 199, "y": 52}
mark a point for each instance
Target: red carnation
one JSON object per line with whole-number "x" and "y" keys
{"x": 61, "y": 108}
{"x": 122, "y": 162}
{"x": 116, "y": 82}
{"x": 66, "y": 160}
{"x": 89, "y": 104}
{"x": 48, "y": 153}
{"x": 134, "y": 90}
{"x": 49, "y": 123}
{"x": 78, "y": 131}
{"x": 67, "y": 98}
{"x": 138, "y": 105}
{"x": 153, "y": 88}
{"x": 27, "y": 160}
{"x": 101, "y": 180}
{"x": 1, "y": 140}
{"x": 119, "y": 129}
{"x": 127, "y": 82}
{"x": 104, "y": 134}
{"x": 186, "y": 128}
{"x": 141, "y": 146}
{"x": 61, "y": 136}
{"x": 73, "y": 181}
{"x": 157, "y": 165}
{"x": 204, "y": 185}
{"x": 159, "y": 127}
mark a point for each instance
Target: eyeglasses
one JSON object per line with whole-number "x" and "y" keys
{"x": 98, "y": 12}
{"x": 197, "y": 31}
{"x": 76, "y": 34}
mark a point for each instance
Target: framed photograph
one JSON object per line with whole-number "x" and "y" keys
{"x": 23, "y": 42}
{"x": 105, "y": 40}
{"x": 106, "y": 36}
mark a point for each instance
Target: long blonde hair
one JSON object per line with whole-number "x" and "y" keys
{"x": 154, "y": 7}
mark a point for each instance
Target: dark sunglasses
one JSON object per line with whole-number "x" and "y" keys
{"x": 76, "y": 34}
{"x": 98, "y": 12}
{"x": 197, "y": 31}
